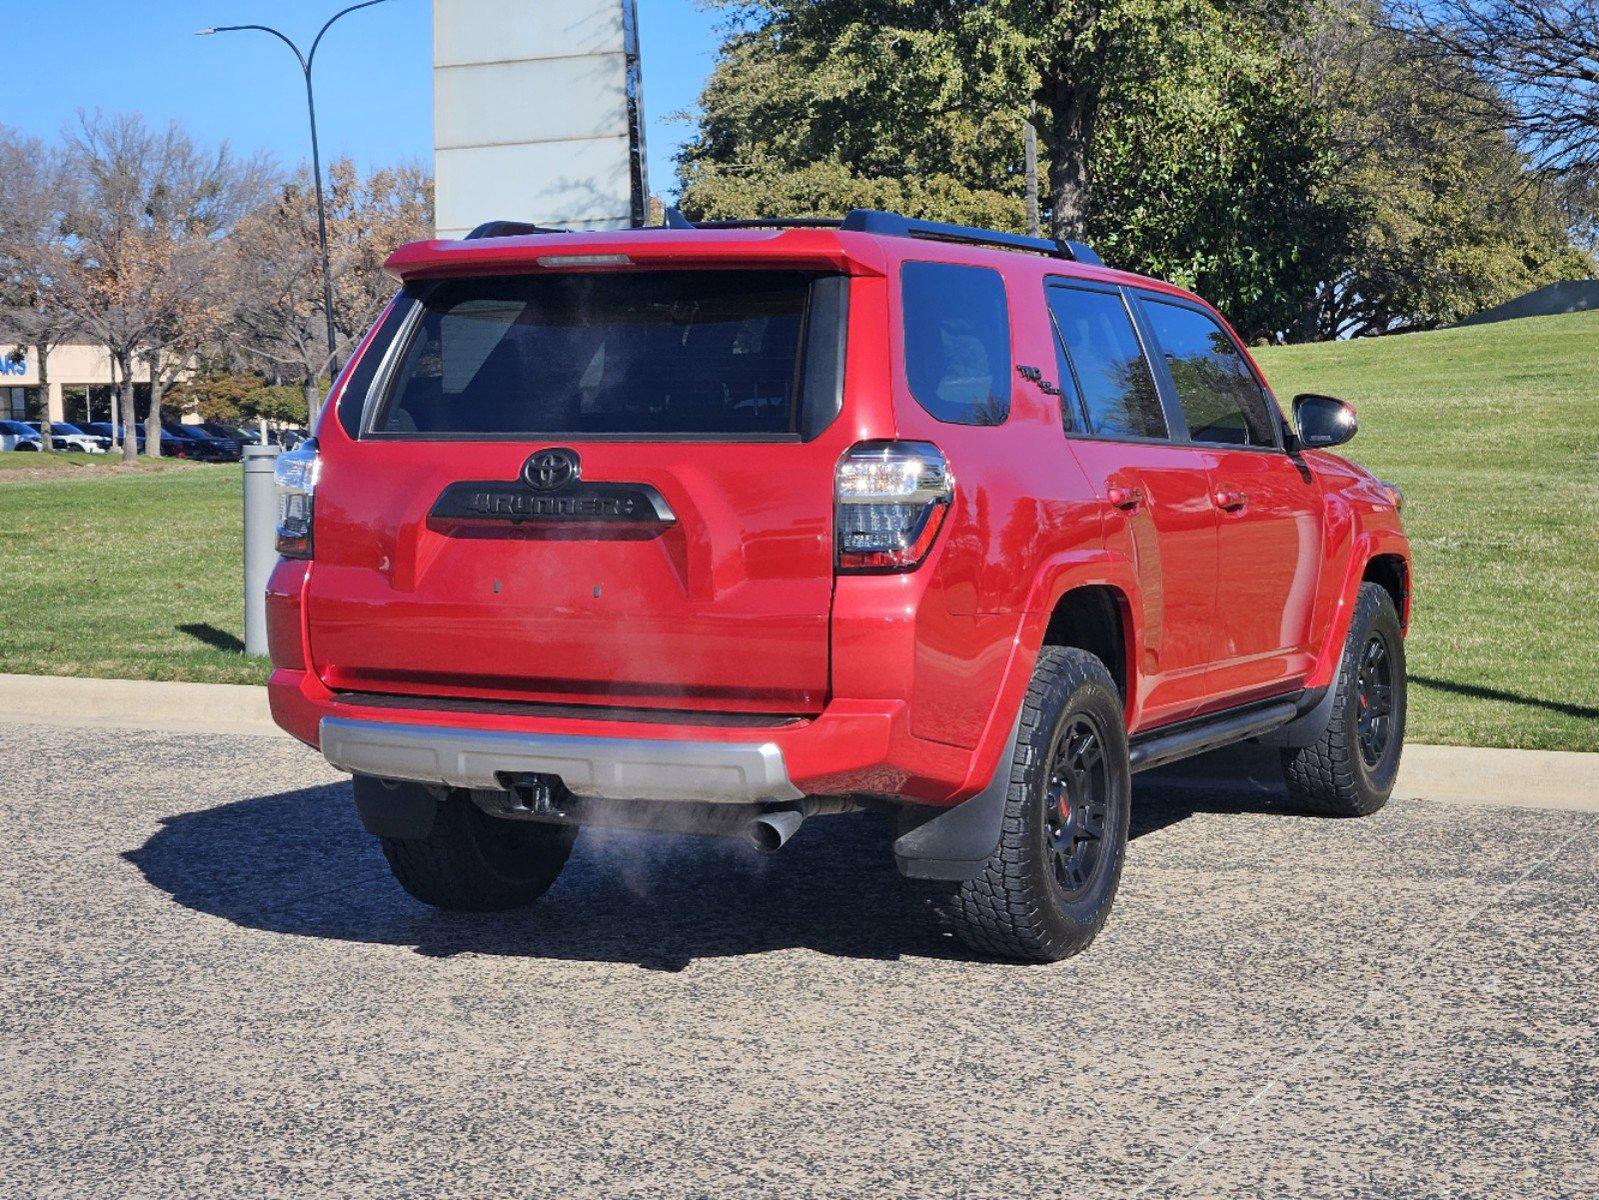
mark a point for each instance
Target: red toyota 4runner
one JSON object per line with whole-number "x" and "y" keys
{"x": 718, "y": 528}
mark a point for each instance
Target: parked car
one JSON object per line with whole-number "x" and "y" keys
{"x": 242, "y": 435}
{"x": 289, "y": 438}
{"x": 721, "y": 531}
{"x": 14, "y": 435}
{"x": 66, "y": 436}
{"x": 192, "y": 441}
{"x": 103, "y": 429}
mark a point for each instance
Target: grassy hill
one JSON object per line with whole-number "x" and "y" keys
{"x": 1493, "y": 433}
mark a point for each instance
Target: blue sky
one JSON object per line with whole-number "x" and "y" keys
{"x": 374, "y": 89}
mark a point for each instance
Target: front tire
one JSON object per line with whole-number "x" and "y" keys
{"x": 1046, "y": 890}
{"x": 472, "y": 862}
{"x": 1350, "y": 770}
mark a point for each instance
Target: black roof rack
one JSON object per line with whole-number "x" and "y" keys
{"x": 859, "y": 220}
{"x": 499, "y": 229}
{"x": 892, "y": 224}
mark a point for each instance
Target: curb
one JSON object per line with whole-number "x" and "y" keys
{"x": 225, "y": 708}
{"x": 1471, "y": 775}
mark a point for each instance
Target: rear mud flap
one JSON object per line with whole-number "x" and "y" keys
{"x": 395, "y": 810}
{"x": 956, "y": 844}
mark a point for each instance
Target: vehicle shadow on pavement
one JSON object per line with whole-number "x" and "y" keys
{"x": 299, "y": 862}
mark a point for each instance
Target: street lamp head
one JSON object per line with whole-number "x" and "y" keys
{"x": 203, "y": 32}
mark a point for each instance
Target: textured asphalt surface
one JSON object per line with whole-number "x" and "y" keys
{"x": 209, "y": 986}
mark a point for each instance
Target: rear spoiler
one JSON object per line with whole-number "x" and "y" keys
{"x": 507, "y": 246}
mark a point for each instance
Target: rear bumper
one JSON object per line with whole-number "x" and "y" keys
{"x": 613, "y": 768}
{"x": 853, "y": 746}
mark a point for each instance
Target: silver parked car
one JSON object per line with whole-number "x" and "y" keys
{"x": 14, "y": 435}
{"x": 67, "y": 436}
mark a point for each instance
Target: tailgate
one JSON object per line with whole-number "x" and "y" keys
{"x": 593, "y": 489}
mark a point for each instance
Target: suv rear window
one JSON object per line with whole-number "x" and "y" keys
{"x": 957, "y": 341}
{"x": 626, "y": 353}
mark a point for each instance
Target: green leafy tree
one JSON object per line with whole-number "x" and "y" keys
{"x": 235, "y": 398}
{"x": 1177, "y": 136}
{"x": 1451, "y": 217}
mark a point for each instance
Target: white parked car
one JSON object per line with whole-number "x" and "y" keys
{"x": 14, "y": 435}
{"x": 67, "y": 436}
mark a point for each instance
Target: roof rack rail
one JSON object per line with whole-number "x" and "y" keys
{"x": 499, "y": 229}
{"x": 673, "y": 218}
{"x": 892, "y": 224}
{"x": 866, "y": 220}
{"x": 858, "y": 220}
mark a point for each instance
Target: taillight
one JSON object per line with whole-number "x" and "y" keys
{"x": 295, "y": 478}
{"x": 891, "y": 498}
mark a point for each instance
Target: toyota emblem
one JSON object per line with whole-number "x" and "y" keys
{"x": 551, "y": 470}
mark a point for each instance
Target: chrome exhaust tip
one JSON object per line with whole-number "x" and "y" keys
{"x": 770, "y": 831}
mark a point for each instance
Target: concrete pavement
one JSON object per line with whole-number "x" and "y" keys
{"x": 212, "y": 987}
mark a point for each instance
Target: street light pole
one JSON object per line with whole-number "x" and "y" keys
{"x": 307, "y": 61}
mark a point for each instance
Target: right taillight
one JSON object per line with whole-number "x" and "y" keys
{"x": 295, "y": 477}
{"x": 891, "y": 498}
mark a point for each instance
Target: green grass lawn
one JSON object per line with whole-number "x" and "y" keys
{"x": 1492, "y": 432}
{"x": 125, "y": 574}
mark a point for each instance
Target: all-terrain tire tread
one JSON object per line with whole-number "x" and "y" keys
{"x": 1000, "y": 912}
{"x": 448, "y": 870}
{"x": 1324, "y": 778}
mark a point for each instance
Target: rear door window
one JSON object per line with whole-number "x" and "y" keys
{"x": 1113, "y": 377}
{"x": 957, "y": 341}
{"x": 1222, "y": 400}
{"x": 626, "y": 353}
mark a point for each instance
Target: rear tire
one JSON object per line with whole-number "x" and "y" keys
{"x": 1350, "y": 770}
{"x": 1046, "y": 890}
{"x": 472, "y": 862}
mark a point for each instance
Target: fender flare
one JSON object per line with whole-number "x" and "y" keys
{"x": 956, "y": 843}
{"x": 1062, "y": 573}
{"x": 1369, "y": 544}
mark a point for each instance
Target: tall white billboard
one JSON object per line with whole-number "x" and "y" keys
{"x": 538, "y": 114}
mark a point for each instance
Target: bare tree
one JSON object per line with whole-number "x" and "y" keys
{"x": 1542, "y": 58}
{"x": 33, "y": 208}
{"x": 146, "y": 263}
{"x": 280, "y": 291}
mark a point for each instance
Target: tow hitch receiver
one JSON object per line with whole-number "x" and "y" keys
{"x": 538, "y": 797}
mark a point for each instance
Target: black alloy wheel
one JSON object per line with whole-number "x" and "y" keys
{"x": 1374, "y": 684}
{"x": 1076, "y": 798}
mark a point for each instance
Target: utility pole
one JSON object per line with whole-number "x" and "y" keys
{"x": 1030, "y": 153}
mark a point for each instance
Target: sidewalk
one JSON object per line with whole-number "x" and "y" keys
{"x": 1555, "y": 779}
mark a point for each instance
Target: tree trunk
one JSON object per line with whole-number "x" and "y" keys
{"x": 130, "y": 440}
{"x": 1070, "y": 132}
{"x": 116, "y": 408}
{"x": 152, "y": 423}
{"x": 312, "y": 395}
{"x": 44, "y": 387}
{"x": 1030, "y": 166}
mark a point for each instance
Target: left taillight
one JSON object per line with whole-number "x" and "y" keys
{"x": 295, "y": 479}
{"x": 890, "y": 499}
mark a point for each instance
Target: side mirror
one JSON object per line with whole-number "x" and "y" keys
{"x": 1323, "y": 421}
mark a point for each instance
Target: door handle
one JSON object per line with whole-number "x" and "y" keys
{"x": 1229, "y": 499}
{"x": 1125, "y": 497}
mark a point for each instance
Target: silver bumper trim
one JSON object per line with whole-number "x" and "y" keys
{"x": 612, "y": 768}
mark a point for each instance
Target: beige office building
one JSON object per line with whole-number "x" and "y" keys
{"x": 79, "y": 389}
